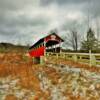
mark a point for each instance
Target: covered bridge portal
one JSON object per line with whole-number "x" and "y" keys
{"x": 50, "y": 43}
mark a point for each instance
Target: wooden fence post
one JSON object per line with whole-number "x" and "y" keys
{"x": 57, "y": 55}
{"x": 90, "y": 58}
{"x": 42, "y": 60}
{"x": 74, "y": 57}
{"x": 93, "y": 60}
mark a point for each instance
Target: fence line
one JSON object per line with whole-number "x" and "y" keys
{"x": 93, "y": 59}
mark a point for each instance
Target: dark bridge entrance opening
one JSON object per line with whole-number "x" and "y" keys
{"x": 53, "y": 46}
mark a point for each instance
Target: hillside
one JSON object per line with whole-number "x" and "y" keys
{"x": 6, "y": 47}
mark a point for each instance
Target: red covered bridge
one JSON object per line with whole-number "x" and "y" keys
{"x": 50, "y": 43}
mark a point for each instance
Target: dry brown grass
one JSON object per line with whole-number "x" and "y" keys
{"x": 14, "y": 65}
{"x": 75, "y": 64}
{"x": 11, "y": 97}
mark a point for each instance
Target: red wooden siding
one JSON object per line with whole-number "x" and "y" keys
{"x": 37, "y": 52}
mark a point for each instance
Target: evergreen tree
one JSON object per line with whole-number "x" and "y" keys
{"x": 91, "y": 42}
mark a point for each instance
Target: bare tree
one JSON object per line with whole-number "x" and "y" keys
{"x": 72, "y": 40}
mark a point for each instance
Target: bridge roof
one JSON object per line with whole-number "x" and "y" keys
{"x": 52, "y": 42}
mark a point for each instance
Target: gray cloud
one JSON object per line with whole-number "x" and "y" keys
{"x": 29, "y": 19}
{"x": 62, "y": 2}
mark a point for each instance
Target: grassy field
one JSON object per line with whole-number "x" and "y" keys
{"x": 20, "y": 79}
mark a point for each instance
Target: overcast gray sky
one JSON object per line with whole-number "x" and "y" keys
{"x": 25, "y": 21}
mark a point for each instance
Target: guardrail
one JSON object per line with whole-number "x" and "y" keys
{"x": 93, "y": 59}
